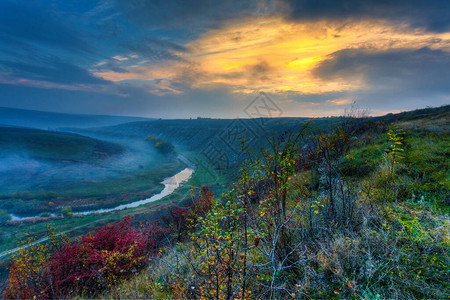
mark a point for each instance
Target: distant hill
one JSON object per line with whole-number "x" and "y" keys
{"x": 42, "y": 144}
{"x": 46, "y": 120}
{"x": 218, "y": 141}
{"x": 431, "y": 118}
{"x": 197, "y": 133}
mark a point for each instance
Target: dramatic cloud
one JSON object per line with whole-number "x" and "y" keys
{"x": 432, "y": 15}
{"x": 51, "y": 70}
{"x": 276, "y": 55}
{"x": 404, "y": 70}
{"x": 394, "y": 77}
{"x": 209, "y": 58}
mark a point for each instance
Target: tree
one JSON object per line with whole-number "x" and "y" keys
{"x": 161, "y": 145}
{"x": 67, "y": 212}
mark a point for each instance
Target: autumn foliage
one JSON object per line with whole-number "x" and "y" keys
{"x": 98, "y": 260}
{"x": 295, "y": 225}
{"x": 27, "y": 275}
{"x": 89, "y": 265}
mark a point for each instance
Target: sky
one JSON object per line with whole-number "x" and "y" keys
{"x": 205, "y": 58}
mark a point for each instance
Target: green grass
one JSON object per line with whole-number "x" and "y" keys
{"x": 428, "y": 156}
{"x": 365, "y": 158}
{"x": 425, "y": 168}
{"x": 205, "y": 174}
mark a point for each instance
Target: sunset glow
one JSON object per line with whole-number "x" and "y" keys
{"x": 191, "y": 57}
{"x": 278, "y": 56}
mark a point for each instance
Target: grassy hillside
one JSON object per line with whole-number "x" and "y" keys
{"x": 43, "y": 172}
{"x": 392, "y": 242}
{"x": 215, "y": 144}
{"x": 41, "y": 144}
{"x": 196, "y": 133}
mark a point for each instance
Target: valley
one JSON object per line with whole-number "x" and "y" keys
{"x": 80, "y": 179}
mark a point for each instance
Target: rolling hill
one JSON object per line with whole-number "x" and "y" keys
{"x": 52, "y": 145}
{"x": 46, "y": 120}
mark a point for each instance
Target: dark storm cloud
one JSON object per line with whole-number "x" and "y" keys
{"x": 423, "y": 71}
{"x": 259, "y": 71}
{"x": 433, "y": 15}
{"x": 315, "y": 97}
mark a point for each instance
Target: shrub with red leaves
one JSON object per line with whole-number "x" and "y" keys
{"x": 98, "y": 260}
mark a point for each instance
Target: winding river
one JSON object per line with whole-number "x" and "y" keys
{"x": 170, "y": 185}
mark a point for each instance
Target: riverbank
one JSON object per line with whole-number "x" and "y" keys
{"x": 19, "y": 227}
{"x": 170, "y": 185}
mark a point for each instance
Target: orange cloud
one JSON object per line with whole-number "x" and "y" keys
{"x": 341, "y": 101}
{"x": 276, "y": 55}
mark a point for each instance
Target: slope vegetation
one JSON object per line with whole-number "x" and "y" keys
{"x": 359, "y": 210}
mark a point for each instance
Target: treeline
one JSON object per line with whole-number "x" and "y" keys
{"x": 161, "y": 145}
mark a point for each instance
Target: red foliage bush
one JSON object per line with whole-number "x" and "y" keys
{"x": 98, "y": 260}
{"x": 105, "y": 256}
{"x": 204, "y": 204}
